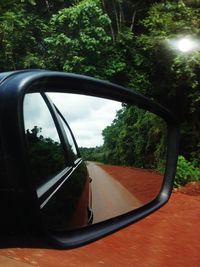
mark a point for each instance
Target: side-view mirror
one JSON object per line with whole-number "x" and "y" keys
{"x": 80, "y": 158}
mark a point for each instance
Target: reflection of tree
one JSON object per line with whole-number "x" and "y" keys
{"x": 136, "y": 137}
{"x": 46, "y": 155}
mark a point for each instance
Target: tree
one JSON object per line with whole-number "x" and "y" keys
{"x": 174, "y": 77}
{"x": 46, "y": 156}
{"x": 21, "y": 43}
{"x": 136, "y": 138}
{"x": 78, "y": 41}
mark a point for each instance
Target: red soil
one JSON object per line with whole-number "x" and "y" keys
{"x": 191, "y": 189}
{"x": 168, "y": 238}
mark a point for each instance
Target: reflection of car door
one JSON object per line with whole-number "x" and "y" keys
{"x": 84, "y": 207}
{"x": 56, "y": 168}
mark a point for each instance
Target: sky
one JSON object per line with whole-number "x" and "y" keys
{"x": 86, "y": 115}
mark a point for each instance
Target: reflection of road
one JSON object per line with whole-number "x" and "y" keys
{"x": 109, "y": 197}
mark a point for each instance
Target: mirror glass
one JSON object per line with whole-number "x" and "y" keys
{"x": 91, "y": 159}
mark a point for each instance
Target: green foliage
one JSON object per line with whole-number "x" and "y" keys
{"x": 173, "y": 77}
{"x": 78, "y": 41}
{"x": 46, "y": 156}
{"x": 136, "y": 137}
{"x": 92, "y": 154}
{"x": 186, "y": 172}
{"x": 20, "y": 43}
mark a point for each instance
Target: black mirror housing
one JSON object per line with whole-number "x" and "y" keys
{"x": 17, "y": 188}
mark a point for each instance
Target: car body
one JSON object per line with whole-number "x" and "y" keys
{"x": 56, "y": 169}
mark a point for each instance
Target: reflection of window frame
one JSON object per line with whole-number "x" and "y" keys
{"x": 63, "y": 121}
{"x": 58, "y": 126}
{"x": 61, "y": 131}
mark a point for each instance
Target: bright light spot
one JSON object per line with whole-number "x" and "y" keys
{"x": 185, "y": 45}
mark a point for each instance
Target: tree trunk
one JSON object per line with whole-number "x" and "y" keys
{"x": 133, "y": 20}
{"x": 116, "y": 16}
{"x": 110, "y": 24}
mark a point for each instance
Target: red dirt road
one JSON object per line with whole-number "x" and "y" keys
{"x": 168, "y": 238}
{"x": 109, "y": 197}
{"x": 143, "y": 184}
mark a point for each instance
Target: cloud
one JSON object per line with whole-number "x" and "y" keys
{"x": 86, "y": 115}
{"x": 37, "y": 114}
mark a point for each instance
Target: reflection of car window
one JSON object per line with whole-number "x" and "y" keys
{"x": 70, "y": 140}
{"x": 44, "y": 146}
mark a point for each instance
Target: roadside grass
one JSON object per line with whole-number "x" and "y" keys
{"x": 186, "y": 172}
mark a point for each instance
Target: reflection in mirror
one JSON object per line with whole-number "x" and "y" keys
{"x": 124, "y": 153}
{"x": 45, "y": 151}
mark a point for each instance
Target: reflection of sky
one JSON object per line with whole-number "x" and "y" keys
{"x": 87, "y": 116}
{"x": 37, "y": 114}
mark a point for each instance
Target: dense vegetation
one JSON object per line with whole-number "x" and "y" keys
{"x": 122, "y": 41}
{"x": 46, "y": 155}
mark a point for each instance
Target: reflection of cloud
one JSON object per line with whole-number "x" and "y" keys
{"x": 75, "y": 107}
{"x": 87, "y": 115}
{"x": 37, "y": 114}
